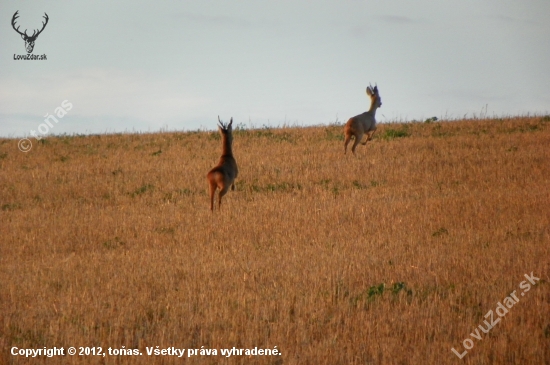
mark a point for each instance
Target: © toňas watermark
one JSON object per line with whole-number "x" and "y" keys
{"x": 500, "y": 310}
{"x": 25, "y": 144}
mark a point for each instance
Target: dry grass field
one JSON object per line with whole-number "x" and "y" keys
{"x": 391, "y": 257}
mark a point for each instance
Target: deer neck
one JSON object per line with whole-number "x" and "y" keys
{"x": 373, "y": 107}
{"x": 226, "y": 147}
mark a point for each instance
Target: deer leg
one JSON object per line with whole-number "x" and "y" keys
{"x": 370, "y": 134}
{"x": 212, "y": 192}
{"x": 222, "y": 193}
{"x": 358, "y": 139}
{"x": 346, "y": 142}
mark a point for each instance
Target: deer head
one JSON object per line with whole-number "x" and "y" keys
{"x": 373, "y": 93}
{"x": 29, "y": 40}
{"x": 226, "y": 130}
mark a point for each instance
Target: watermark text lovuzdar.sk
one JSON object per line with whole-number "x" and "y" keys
{"x": 30, "y": 57}
{"x": 500, "y": 310}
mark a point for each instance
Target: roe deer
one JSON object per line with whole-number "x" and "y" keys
{"x": 223, "y": 175}
{"x": 363, "y": 123}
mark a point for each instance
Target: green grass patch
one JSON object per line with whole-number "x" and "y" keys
{"x": 391, "y": 133}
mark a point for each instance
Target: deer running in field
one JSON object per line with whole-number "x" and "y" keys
{"x": 224, "y": 174}
{"x": 364, "y": 123}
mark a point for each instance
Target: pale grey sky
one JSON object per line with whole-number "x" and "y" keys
{"x": 147, "y": 65}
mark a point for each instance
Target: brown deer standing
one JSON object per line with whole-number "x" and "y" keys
{"x": 224, "y": 174}
{"x": 363, "y": 123}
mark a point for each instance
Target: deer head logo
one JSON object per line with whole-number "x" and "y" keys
{"x": 29, "y": 40}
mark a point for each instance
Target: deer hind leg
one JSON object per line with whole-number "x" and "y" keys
{"x": 346, "y": 142}
{"x": 358, "y": 138}
{"x": 223, "y": 191}
{"x": 212, "y": 192}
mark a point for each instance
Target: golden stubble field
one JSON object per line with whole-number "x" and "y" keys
{"x": 391, "y": 257}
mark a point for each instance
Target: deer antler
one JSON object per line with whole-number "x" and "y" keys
{"x": 43, "y": 26}
{"x": 34, "y": 34}
{"x": 15, "y": 16}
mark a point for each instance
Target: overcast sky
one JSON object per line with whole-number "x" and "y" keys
{"x": 177, "y": 65}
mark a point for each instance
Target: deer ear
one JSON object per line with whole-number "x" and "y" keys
{"x": 230, "y": 123}
{"x": 369, "y": 91}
